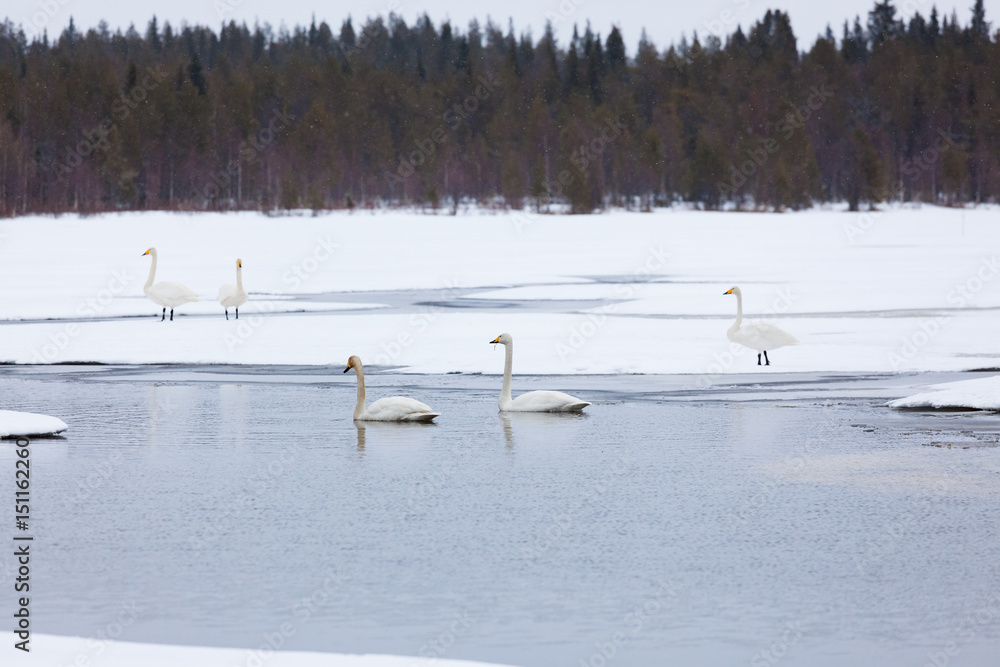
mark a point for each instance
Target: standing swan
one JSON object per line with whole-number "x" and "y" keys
{"x": 760, "y": 336}
{"x": 168, "y": 295}
{"x": 533, "y": 401}
{"x": 395, "y": 409}
{"x": 234, "y": 295}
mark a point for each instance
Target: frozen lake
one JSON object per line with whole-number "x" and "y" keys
{"x": 780, "y": 517}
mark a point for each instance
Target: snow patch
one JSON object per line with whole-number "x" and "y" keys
{"x": 981, "y": 394}
{"x": 50, "y": 650}
{"x": 16, "y": 424}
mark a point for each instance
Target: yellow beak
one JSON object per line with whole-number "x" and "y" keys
{"x": 495, "y": 340}
{"x": 145, "y": 253}
{"x": 729, "y": 292}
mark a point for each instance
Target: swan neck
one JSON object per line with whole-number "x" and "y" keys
{"x": 508, "y": 363}
{"x": 739, "y": 309}
{"x": 359, "y": 409}
{"x": 152, "y": 270}
{"x": 239, "y": 278}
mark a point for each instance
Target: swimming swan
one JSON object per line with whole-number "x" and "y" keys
{"x": 760, "y": 336}
{"x": 395, "y": 409}
{"x": 231, "y": 296}
{"x": 532, "y": 401}
{"x": 168, "y": 295}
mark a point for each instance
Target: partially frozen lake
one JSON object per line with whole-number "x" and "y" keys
{"x": 791, "y": 514}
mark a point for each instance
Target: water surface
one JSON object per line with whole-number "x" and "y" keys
{"x": 667, "y": 525}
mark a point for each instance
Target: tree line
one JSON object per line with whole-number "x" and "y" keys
{"x": 396, "y": 114}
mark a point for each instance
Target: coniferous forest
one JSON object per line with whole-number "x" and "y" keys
{"x": 385, "y": 113}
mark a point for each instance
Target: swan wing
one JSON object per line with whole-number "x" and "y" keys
{"x": 547, "y": 401}
{"x": 399, "y": 408}
{"x": 231, "y": 295}
{"x": 227, "y": 292}
{"x": 762, "y": 336}
{"x": 171, "y": 294}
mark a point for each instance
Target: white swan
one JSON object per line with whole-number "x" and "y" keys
{"x": 760, "y": 336}
{"x": 394, "y": 409}
{"x": 168, "y": 295}
{"x": 532, "y": 401}
{"x": 234, "y": 296}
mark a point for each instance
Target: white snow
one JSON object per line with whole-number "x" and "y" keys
{"x": 54, "y": 651}
{"x": 900, "y": 290}
{"x": 28, "y": 423}
{"x": 981, "y": 394}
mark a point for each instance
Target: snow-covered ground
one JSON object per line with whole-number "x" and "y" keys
{"x": 52, "y": 651}
{"x": 981, "y": 394}
{"x": 906, "y": 289}
{"x": 27, "y": 423}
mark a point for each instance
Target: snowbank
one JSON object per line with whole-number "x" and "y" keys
{"x": 981, "y": 394}
{"x": 613, "y": 293}
{"x": 28, "y": 424}
{"x": 52, "y": 651}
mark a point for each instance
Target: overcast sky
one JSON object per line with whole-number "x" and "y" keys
{"x": 664, "y": 22}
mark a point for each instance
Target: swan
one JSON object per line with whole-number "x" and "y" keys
{"x": 231, "y": 296}
{"x": 168, "y": 295}
{"x": 760, "y": 336}
{"x": 395, "y": 409}
{"x": 533, "y": 401}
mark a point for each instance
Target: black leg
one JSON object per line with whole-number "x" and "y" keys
{"x": 227, "y": 314}
{"x": 164, "y": 316}
{"x": 758, "y": 358}
{"x": 766, "y": 359}
{"x": 171, "y": 314}
{"x": 237, "y": 313}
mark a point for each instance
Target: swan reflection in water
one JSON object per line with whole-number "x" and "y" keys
{"x": 391, "y": 434}
{"x": 361, "y": 437}
{"x": 543, "y": 425}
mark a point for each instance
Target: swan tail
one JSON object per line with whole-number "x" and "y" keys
{"x": 423, "y": 417}
{"x": 575, "y": 407}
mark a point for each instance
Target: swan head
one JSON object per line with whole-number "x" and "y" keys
{"x": 239, "y": 264}
{"x": 353, "y": 362}
{"x": 151, "y": 251}
{"x": 732, "y": 290}
{"x": 502, "y": 339}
